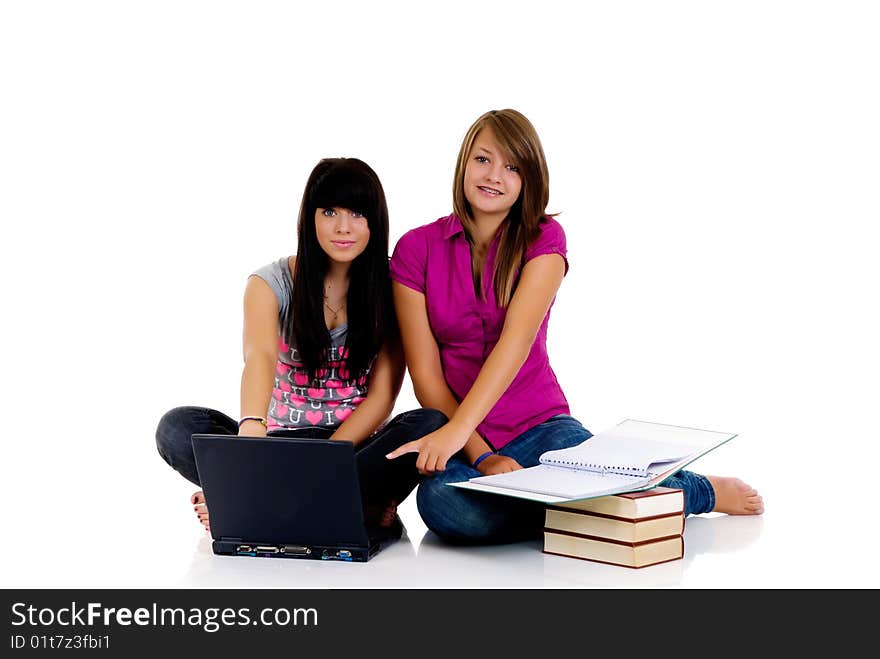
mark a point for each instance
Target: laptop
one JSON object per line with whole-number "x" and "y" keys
{"x": 285, "y": 497}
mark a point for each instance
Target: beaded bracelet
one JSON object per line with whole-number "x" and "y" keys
{"x": 252, "y": 418}
{"x": 481, "y": 458}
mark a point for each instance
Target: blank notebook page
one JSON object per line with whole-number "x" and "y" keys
{"x": 617, "y": 452}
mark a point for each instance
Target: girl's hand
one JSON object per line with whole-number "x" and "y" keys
{"x": 252, "y": 428}
{"x": 497, "y": 464}
{"x": 434, "y": 449}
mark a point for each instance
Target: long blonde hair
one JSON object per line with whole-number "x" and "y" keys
{"x": 519, "y": 140}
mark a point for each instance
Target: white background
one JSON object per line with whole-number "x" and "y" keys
{"x": 715, "y": 167}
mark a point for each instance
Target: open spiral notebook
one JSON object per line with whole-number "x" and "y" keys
{"x": 631, "y": 456}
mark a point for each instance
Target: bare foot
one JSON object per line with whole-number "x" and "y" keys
{"x": 201, "y": 508}
{"x": 734, "y": 497}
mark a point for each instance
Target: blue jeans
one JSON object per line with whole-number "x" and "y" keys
{"x": 381, "y": 480}
{"x": 468, "y": 517}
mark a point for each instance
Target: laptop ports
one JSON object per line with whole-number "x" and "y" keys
{"x": 295, "y": 550}
{"x": 338, "y": 555}
{"x": 244, "y": 549}
{"x": 265, "y": 549}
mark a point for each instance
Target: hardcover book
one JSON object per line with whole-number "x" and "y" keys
{"x": 614, "y": 528}
{"x": 633, "y": 505}
{"x": 635, "y": 554}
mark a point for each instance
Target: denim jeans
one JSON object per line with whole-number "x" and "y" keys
{"x": 381, "y": 480}
{"x": 468, "y": 517}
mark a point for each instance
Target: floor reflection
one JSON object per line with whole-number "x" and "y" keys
{"x": 426, "y": 562}
{"x": 208, "y": 569}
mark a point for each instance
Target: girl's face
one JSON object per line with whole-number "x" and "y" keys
{"x": 342, "y": 233}
{"x": 491, "y": 182}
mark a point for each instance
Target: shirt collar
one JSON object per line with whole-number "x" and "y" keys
{"x": 452, "y": 226}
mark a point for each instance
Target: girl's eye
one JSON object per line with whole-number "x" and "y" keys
{"x": 481, "y": 159}
{"x": 328, "y": 212}
{"x": 513, "y": 168}
{"x": 356, "y": 214}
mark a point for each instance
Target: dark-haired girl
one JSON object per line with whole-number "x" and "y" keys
{"x": 473, "y": 292}
{"x": 322, "y": 355}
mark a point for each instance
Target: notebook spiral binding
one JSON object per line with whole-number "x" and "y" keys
{"x": 603, "y": 469}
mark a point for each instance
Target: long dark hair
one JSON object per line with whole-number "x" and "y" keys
{"x": 342, "y": 183}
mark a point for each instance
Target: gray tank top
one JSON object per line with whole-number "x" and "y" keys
{"x": 298, "y": 401}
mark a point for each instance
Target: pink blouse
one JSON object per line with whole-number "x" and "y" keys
{"x": 435, "y": 260}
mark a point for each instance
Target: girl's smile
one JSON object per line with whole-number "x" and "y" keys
{"x": 492, "y": 182}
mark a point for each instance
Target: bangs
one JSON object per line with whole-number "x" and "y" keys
{"x": 514, "y": 142}
{"x": 345, "y": 186}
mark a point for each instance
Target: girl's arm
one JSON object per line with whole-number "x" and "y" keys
{"x": 386, "y": 378}
{"x": 260, "y": 346}
{"x": 426, "y": 371}
{"x": 538, "y": 285}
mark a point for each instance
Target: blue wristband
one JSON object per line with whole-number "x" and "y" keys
{"x": 481, "y": 458}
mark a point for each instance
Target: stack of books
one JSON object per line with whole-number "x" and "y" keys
{"x": 635, "y": 529}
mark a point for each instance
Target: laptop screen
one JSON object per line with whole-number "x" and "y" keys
{"x": 281, "y": 490}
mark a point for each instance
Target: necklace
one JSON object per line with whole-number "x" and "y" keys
{"x": 335, "y": 312}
